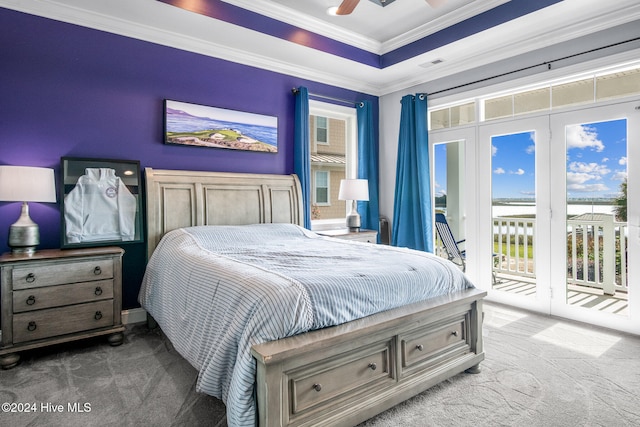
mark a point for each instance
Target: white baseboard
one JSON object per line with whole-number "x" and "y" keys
{"x": 134, "y": 315}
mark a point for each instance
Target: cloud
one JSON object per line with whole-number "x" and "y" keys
{"x": 580, "y": 178}
{"x": 619, "y": 176}
{"x": 590, "y": 168}
{"x": 581, "y": 136}
{"x": 622, "y": 161}
{"x": 605, "y": 159}
{"x": 531, "y": 149}
{"x": 494, "y": 150}
{"x": 518, "y": 172}
{"x": 588, "y": 188}
{"x": 499, "y": 171}
{"x": 527, "y": 193}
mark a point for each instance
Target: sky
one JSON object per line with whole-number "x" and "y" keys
{"x": 596, "y": 162}
{"x": 224, "y": 114}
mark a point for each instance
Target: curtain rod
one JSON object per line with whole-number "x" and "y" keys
{"x": 328, "y": 98}
{"x": 546, "y": 63}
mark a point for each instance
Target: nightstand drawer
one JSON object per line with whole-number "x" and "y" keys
{"x": 43, "y": 274}
{"x": 61, "y": 295}
{"x": 34, "y": 325}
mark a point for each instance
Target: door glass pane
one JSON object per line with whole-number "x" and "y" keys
{"x": 597, "y": 216}
{"x": 449, "y": 196}
{"x": 513, "y": 187}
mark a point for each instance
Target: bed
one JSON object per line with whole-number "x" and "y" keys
{"x": 287, "y": 327}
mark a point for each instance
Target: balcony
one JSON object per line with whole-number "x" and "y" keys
{"x": 596, "y": 260}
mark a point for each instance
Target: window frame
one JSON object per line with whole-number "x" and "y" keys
{"x": 349, "y": 115}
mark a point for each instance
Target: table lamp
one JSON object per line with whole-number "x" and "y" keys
{"x": 354, "y": 190}
{"x": 26, "y": 184}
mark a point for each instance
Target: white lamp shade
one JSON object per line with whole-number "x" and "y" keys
{"x": 354, "y": 189}
{"x": 27, "y": 184}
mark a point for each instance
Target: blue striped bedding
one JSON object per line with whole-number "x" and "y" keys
{"x": 217, "y": 290}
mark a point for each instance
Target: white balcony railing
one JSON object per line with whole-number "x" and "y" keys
{"x": 513, "y": 242}
{"x": 596, "y": 250}
{"x": 597, "y": 253}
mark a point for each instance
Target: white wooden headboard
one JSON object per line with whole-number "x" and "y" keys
{"x": 177, "y": 198}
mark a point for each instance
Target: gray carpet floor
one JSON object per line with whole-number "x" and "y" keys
{"x": 539, "y": 371}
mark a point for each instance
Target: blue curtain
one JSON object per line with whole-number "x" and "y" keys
{"x": 412, "y": 207}
{"x": 301, "y": 155}
{"x": 368, "y": 165}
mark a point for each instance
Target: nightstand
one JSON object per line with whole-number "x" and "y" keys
{"x": 367, "y": 236}
{"x": 54, "y": 296}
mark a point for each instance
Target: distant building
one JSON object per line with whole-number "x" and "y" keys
{"x": 328, "y": 166}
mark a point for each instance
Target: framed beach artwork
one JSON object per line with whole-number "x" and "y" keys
{"x": 203, "y": 126}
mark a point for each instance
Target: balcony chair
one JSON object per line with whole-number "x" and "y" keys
{"x": 451, "y": 245}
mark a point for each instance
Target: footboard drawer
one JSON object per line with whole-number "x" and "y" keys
{"x": 436, "y": 344}
{"x": 329, "y": 383}
{"x": 343, "y": 375}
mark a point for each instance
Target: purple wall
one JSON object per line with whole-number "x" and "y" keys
{"x": 66, "y": 90}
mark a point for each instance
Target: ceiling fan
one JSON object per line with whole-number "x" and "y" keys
{"x": 347, "y": 6}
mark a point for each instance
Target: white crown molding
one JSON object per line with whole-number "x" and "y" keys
{"x": 581, "y": 70}
{"x": 309, "y": 23}
{"x": 478, "y": 44}
{"x": 160, "y": 23}
{"x": 67, "y": 11}
{"x": 440, "y": 23}
{"x": 323, "y": 28}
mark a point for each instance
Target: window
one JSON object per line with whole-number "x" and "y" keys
{"x": 581, "y": 89}
{"x": 322, "y": 188}
{"x": 571, "y": 91}
{"x": 333, "y": 145}
{"x": 321, "y": 130}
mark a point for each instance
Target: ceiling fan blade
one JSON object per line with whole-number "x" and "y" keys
{"x": 436, "y": 3}
{"x": 347, "y": 6}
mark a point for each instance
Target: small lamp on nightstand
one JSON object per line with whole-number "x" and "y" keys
{"x": 26, "y": 184}
{"x": 354, "y": 190}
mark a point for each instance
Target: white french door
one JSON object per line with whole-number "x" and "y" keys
{"x": 455, "y": 151}
{"x": 535, "y": 210}
{"x": 595, "y": 255}
{"x": 545, "y": 221}
{"x": 514, "y": 215}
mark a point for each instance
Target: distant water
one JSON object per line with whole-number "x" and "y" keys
{"x": 183, "y": 123}
{"x": 522, "y": 209}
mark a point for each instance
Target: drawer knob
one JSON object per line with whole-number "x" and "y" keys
{"x": 373, "y": 366}
{"x": 31, "y": 278}
{"x": 98, "y": 290}
{"x": 32, "y": 326}
{"x": 97, "y": 271}
{"x": 98, "y": 315}
{"x": 31, "y": 300}
{"x": 420, "y": 347}
{"x": 317, "y": 387}
{"x": 454, "y": 333}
